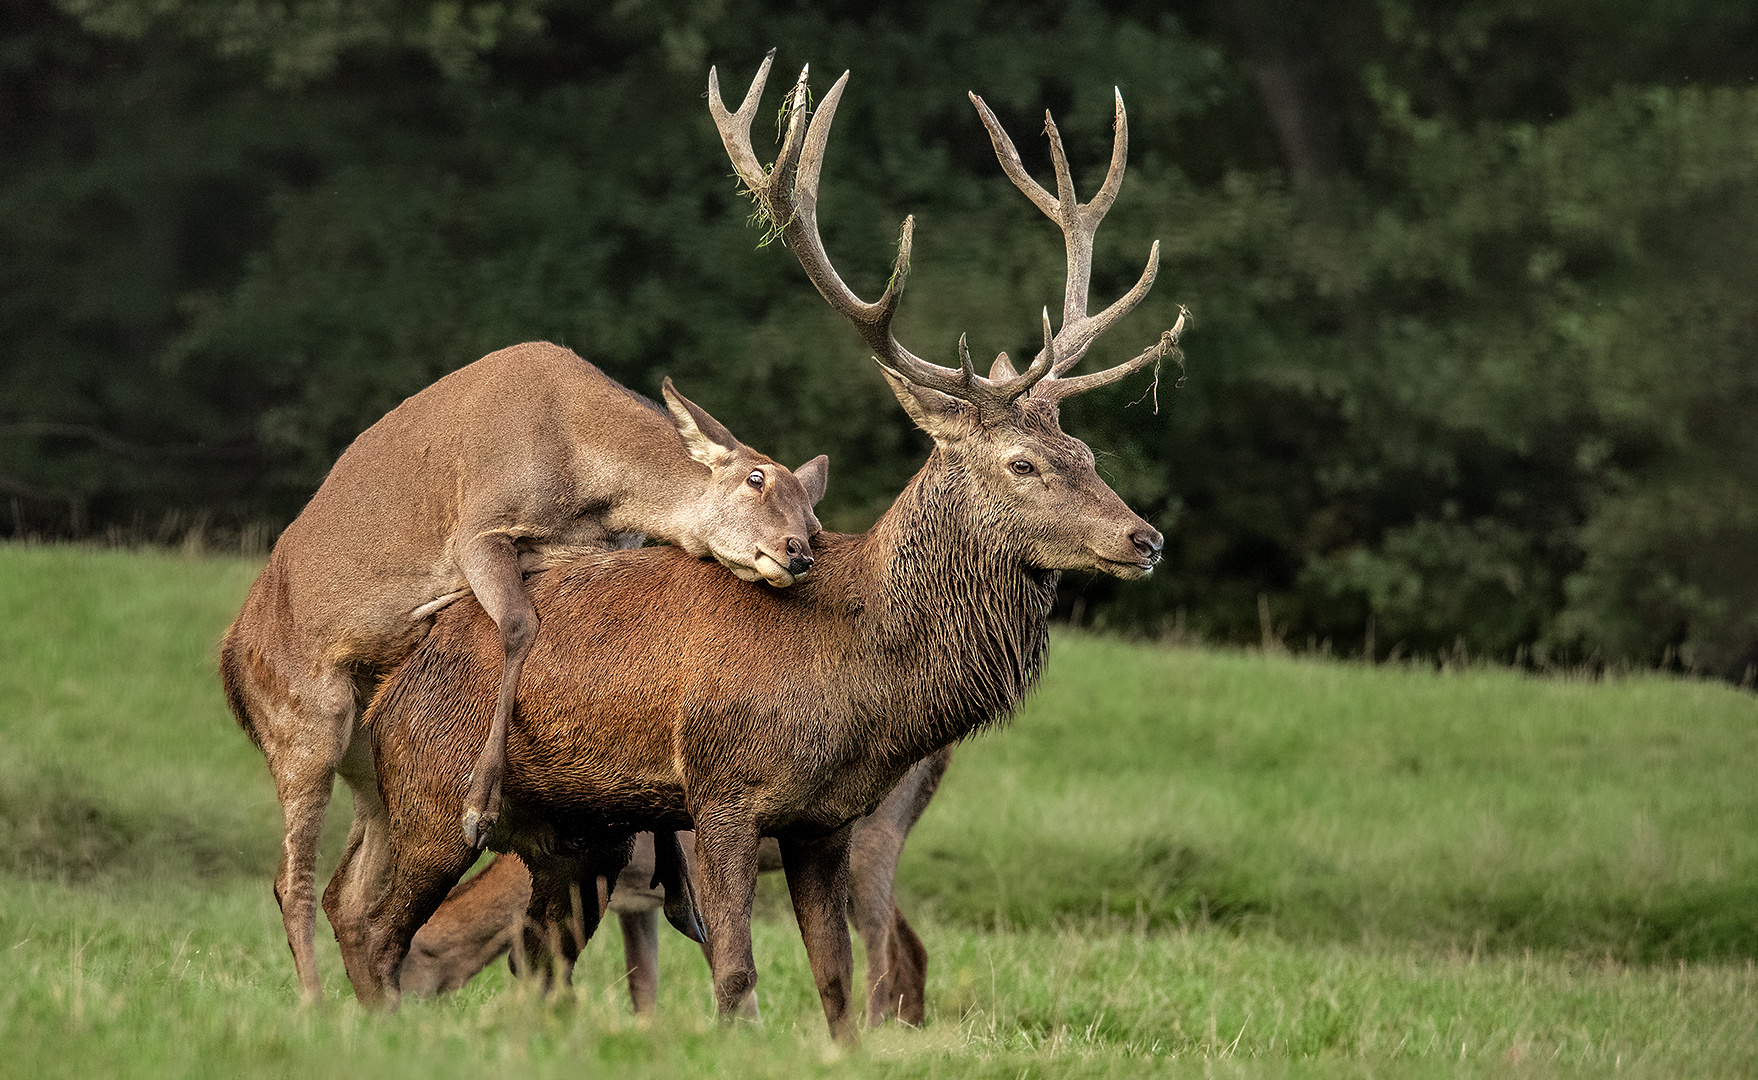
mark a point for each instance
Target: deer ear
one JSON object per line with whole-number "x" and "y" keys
{"x": 940, "y": 415}
{"x": 707, "y": 440}
{"x": 814, "y": 476}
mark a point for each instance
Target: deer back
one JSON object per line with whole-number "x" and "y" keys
{"x": 535, "y": 443}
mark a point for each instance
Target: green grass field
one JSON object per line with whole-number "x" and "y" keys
{"x": 1174, "y": 861}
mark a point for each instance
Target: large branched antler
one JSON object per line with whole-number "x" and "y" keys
{"x": 1079, "y": 222}
{"x": 787, "y": 195}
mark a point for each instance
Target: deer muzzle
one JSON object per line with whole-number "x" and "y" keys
{"x": 1148, "y": 543}
{"x": 1130, "y": 556}
{"x": 771, "y": 568}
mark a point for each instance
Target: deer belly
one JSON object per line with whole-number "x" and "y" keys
{"x": 595, "y": 774}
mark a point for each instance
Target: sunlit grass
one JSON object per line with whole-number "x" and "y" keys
{"x": 1330, "y": 801}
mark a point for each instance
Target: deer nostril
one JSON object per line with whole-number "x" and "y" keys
{"x": 793, "y": 545}
{"x": 1147, "y": 542}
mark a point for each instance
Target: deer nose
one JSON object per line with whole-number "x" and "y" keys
{"x": 799, "y": 556}
{"x": 1147, "y": 542}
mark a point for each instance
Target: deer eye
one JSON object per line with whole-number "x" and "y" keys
{"x": 1022, "y": 467}
{"x": 755, "y": 479}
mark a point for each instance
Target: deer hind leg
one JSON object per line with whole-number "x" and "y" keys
{"x": 304, "y": 749}
{"x": 361, "y": 876}
{"x": 341, "y": 902}
{"x": 421, "y": 861}
{"x": 491, "y": 566}
{"x": 641, "y": 957}
{"x": 817, "y": 882}
{"x": 897, "y": 963}
{"x": 473, "y": 926}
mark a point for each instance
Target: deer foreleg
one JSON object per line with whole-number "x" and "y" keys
{"x": 817, "y": 882}
{"x": 726, "y": 860}
{"x": 906, "y": 960}
{"x": 491, "y": 565}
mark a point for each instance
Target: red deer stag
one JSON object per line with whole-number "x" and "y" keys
{"x": 479, "y": 918}
{"x": 665, "y": 695}
{"x": 457, "y": 491}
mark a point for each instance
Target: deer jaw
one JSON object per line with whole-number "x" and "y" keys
{"x": 753, "y": 516}
{"x": 1036, "y": 485}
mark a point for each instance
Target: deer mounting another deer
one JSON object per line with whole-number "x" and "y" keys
{"x": 645, "y": 707}
{"x": 459, "y": 491}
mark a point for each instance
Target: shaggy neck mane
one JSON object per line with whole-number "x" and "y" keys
{"x": 960, "y": 619}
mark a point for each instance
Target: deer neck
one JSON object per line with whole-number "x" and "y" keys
{"x": 958, "y": 616}
{"x": 659, "y": 497}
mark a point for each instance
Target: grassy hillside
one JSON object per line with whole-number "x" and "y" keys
{"x": 1335, "y": 802}
{"x": 1173, "y": 860}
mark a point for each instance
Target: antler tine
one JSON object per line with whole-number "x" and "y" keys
{"x": 817, "y": 140}
{"x": 1059, "y": 161}
{"x": 735, "y": 127}
{"x": 1107, "y": 193}
{"x": 795, "y": 212}
{"x": 1003, "y": 386}
{"x": 787, "y": 193}
{"x": 1046, "y": 358}
{"x": 786, "y": 167}
{"x": 1010, "y": 163}
{"x": 1085, "y": 331}
{"x": 1079, "y": 223}
{"x": 967, "y": 372}
{"x": 1056, "y": 390}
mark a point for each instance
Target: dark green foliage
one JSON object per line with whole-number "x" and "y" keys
{"x": 1475, "y": 284}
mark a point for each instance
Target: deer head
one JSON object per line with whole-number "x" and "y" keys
{"x": 1000, "y": 433}
{"x": 754, "y": 516}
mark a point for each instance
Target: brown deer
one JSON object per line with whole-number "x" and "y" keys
{"x": 666, "y": 696}
{"x": 458, "y": 491}
{"x": 479, "y": 919}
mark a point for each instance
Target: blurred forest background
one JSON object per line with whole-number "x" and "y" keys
{"x": 1474, "y": 365}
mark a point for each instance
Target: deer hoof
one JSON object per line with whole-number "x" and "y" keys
{"x": 478, "y": 827}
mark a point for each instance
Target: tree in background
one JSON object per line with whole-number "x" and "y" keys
{"x": 1474, "y": 282}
